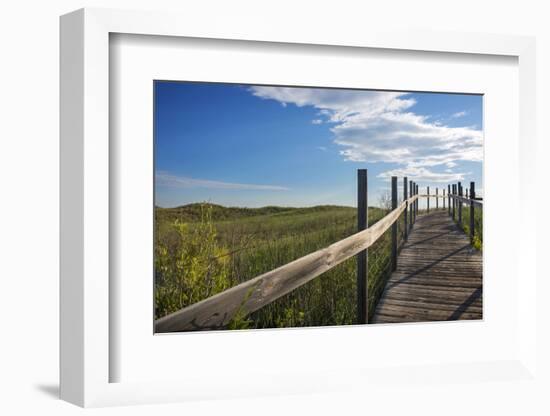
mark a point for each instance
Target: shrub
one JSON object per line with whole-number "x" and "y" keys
{"x": 189, "y": 264}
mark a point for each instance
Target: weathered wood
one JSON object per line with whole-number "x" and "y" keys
{"x": 416, "y": 202}
{"x": 394, "y": 225}
{"x": 362, "y": 256}
{"x": 406, "y": 216}
{"x": 438, "y": 277}
{"x": 449, "y": 198}
{"x": 477, "y": 201}
{"x": 454, "y": 202}
{"x": 410, "y": 206}
{"x": 217, "y": 311}
{"x": 438, "y": 295}
{"x": 413, "y": 217}
{"x": 472, "y": 219}
{"x": 428, "y": 199}
{"x": 460, "y": 204}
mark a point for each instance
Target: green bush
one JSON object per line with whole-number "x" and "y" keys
{"x": 189, "y": 264}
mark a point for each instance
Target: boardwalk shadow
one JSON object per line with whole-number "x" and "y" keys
{"x": 426, "y": 239}
{"x": 428, "y": 266}
{"x": 467, "y": 303}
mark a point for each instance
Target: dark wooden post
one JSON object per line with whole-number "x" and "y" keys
{"x": 405, "y": 197}
{"x": 428, "y": 199}
{"x": 454, "y": 201}
{"x": 472, "y": 197}
{"x": 411, "y": 187}
{"x": 459, "y": 202}
{"x": 449, "y": 198}
{"x": 436, "y": 199}
{"x": 362, "y": 256}
{"x": 394, "y": 225}
{"x": 416, "y": 193}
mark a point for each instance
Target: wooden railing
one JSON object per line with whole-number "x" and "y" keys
{"x": 239, "y": 301}
{"x": 458, "y": 200}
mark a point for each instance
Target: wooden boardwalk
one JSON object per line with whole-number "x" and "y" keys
{"x": 438, "y": 276}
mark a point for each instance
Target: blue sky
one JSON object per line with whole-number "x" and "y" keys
{"x": 240, "y": 145}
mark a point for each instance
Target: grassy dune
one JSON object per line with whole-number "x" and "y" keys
{"x": 202, "y": 249}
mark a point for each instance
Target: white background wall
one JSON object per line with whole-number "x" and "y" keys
{"x": 29, "y": 197}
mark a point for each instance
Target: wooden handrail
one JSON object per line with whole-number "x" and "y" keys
{"x": 467, "y": 200}
{"x": 217, "y": 311}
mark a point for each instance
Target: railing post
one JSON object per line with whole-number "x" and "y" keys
{"x": 428, "y": 199}
{"x": 405, "y": 197}
{"x": 394, "y": 225}
{"x": 454, "y": 202}
{"x": 472, "y": 197}
{"x": 416, "y": 202}
{"x": 362, "y": 256}
{"x": 449, "y": 198}
{"x": 436, "y": 199}
{"x": 459, "y": 202}
{"x": 411, "y": 193}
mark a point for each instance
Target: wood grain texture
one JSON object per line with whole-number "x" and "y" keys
{"x": 438, "y": 276}
{"x": 362, "y": 257}
{"x": 467, "y": 200}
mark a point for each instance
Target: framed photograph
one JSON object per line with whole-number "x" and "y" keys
{"x": 273, "y": 214}
{"x": 291, "y": 250}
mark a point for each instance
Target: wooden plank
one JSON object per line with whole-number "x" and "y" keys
{"x": 404, "y": 316}
{"x": 472, "y": 213}
{"x": 442, "y": 297}
{"x": 394, "y": 225}
{"x": 460, "y": 205}
{"x": 454, "y": 202}
{"x": 416, "y": 202}
{"x": 422, "y": 308}
{"x": 411, "y": 184}
{"x": 428, "y": 199}
{"x": 362, "y": 256}
{"x": 478, "y": 202}
{"x": 449, "y": 198}
{"x": 439, "y": 276}
{"x": 217, "y": 311}
{"x": 406, "y": 215}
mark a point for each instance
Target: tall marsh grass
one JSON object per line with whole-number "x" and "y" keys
{"x": 197, "y": 256}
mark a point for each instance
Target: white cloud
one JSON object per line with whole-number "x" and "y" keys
{"x": 323, "y": 148}
{"x": 420, "y": 174}
{"x": 316, "y": 121}
{"x": 174, "y": 181}
{"x": 379, "y": 126}
{"x": 450, "y": 164}
{"x": 459, "y": 114}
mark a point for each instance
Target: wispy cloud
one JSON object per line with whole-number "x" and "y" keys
{"x": 317, "y": 121}
{"x": 459, "y": 114}
{"x": 322, "y": 148}
{"x": 168, "y": 180}
{"x": 379, "y": 126}
{"x": 423, "y": 175}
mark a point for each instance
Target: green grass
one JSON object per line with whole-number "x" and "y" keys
{"x": 203, "y": 249}
{"x": 478, "y": 224}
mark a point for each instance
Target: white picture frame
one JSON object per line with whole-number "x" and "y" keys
{"x": 85, "y": 211}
